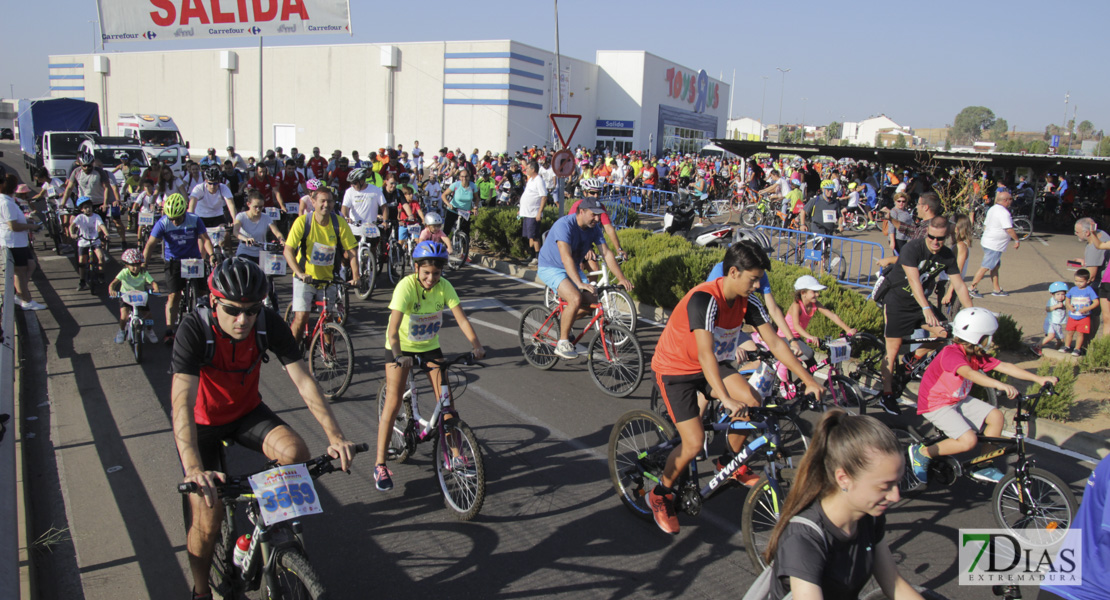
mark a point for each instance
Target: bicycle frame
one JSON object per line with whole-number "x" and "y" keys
{"x": 598, "y": 321}
{"x": 443, "y": 406}
{"x": 325, "y": 312}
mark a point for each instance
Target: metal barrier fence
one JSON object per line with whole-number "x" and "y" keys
{"x": 644, "y": 201}
{"x": 851, "y": 261}
{"x": 9, "y": 526}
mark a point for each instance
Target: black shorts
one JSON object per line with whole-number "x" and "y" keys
{"x": 174, "y": 282}
{"x": 1103, "y": 288}
{"x": 680, "y": 392}
{"x": 430, "y": 355}
{"x": 210, "y": 222}
{"x": 249, "y": 431}
{"x": 530, "y": 228}
{"x": 21, "y": 256}
{"x": 903, "y": 318}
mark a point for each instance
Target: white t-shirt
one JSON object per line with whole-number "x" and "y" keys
{"x": 144, "y": 201}
{"x": 256, "y": 231}
{"x": 548, "y": 177}
{"x": 10, "y": 211}
{"x": 364, "y": 206}
{"x": 210, "y": 204}
{"x": 853, "y": 200}
{"x": 87, "y": 228}
{"x": 784, "y": 186}
{"x": 54, "y": 189}
{"x": 530, "y": 200}
{"x": 994, "y": 228}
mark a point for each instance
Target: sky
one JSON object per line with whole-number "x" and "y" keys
{"x": 919, "y": 63}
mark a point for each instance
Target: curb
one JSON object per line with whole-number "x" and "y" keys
{"x": 27, "y": 587}
{"x": 1049, "y": 432}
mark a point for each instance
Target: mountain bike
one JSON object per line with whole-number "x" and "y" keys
{"x": 276, "y": 559}
{"x": 617, "y": 302}
{"x": 396, "y": 257}
{"x": 460, "y": 242}
{"x": 272, "y": 261}
{"x": 615, "y": 359}
{"x": 456, "y": 450}
{"x": 331, "y": 356}
{"x": 146, "y": 221}
{"x": 817, "y": 254}
{"x": 1033, "y": 504}
{"x": 136, "y": 324}
{"x": 191, "y": 270}
{"x": 368, "y": 236}
{"x": 94, "y": 270}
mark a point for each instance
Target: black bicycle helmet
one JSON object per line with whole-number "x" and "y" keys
{"x": 239, "y": 280}
{"x": 212, "y": 175}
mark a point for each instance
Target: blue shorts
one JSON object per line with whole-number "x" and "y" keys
{"x": 991, "y": 258}
{"x": 552, "y": 277}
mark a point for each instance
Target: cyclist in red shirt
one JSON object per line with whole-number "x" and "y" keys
{"x": 318, "y": 164}
{"x": 693, "y": 355}
{"x": 215, "y": 397}
{"x": 338, "y": 176}
{"x": 264, "y": 184}
{"x": 289, "y": 185}
{"x": 649, "y": 174}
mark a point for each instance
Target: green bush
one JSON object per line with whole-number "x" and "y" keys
{"x": 500, "y": 229}
{"x": 1058, "y": 405}
{"x": 1097, "y": 359}
{"x": 1009, "y": 334}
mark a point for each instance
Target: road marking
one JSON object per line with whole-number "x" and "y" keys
{"x": 489, "y": 303}
{"x": 1057, "y": 449}
{"x": 512, "y": 332}
{"x": 1041, "y": 240}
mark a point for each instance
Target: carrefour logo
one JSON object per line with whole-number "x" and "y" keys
{"x": 255, "y": 30}
{"x": 150, "y": 35}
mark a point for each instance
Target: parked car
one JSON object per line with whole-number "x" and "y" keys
{"x": 6, "y": 134}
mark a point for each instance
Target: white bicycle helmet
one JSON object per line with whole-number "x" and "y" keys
{"x": 593, "y": 184}
{"x": 754, "y": 235}
{"x": 432, "y": 219}
{"x": 975, "y": 325}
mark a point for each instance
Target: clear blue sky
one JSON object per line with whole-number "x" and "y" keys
{"x": 919, "y": 63}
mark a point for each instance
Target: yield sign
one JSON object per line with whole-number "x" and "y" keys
{"x": 568, "y": 123}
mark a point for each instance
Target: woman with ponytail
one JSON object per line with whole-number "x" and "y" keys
{"x": 846, "y": 481}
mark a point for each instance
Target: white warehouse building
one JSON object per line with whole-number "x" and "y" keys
{"x": 491, "y": 95}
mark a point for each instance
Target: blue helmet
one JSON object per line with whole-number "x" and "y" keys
{"x": 1058, "y": 286}
{"x": 430, "y": 250}
{"x": 83, "y": 200}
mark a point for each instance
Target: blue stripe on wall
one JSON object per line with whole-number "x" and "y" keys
{"x": 479, "y": 101}
{"x": 66, "y": 66}
{"x": 513, "y": 55}
{"x": 492, "y": 86}
{"x": 495, "y": 71}
{"x": 67, "y": 77}
{"x": 63, "y": 88}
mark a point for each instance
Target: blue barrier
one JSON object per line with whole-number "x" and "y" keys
{"x": 851, "y": 261}
{"x": 645, "y": 201}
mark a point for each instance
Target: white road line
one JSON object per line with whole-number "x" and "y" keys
{"x": 1058, "y": 450}
{"x": 511, "y": 332}
{"x": 1041, "y": 240}
{"x": 489, "y": 303}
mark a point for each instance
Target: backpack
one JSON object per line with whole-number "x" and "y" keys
{"x": 302, "y": 250}
{"x": 761, "y": 587}
{"x": 882, "y": 285}
{"x": 261, "y": 340}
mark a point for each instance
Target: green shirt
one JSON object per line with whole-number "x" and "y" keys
{"x": 423, "y": 312}
{"x": 487, "y": 190}
{"x": 134, "y": 283}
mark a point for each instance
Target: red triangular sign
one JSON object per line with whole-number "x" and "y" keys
{"x": 565, "y": 126}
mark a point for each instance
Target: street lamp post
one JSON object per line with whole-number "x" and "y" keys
{"x": 762, "y": 125}
{"x": 782, "y": 90}
{"x": 804, "y": 100}
{"x": 1064, "y": 123}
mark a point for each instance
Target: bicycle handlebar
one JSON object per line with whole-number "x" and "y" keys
{"x": 237, "y": 486}
{"x": 466, "y": 359}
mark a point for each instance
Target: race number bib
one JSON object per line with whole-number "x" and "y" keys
{"x": 217, "y": 234}
{"x": 464, "y": 215}
{"x": 322, "y": 256}
{"x": 285, "y": 493}
{"x": 146, "y": 218}
{"x": 414, "y": 231}
{"x": 724, "y": 343}
{"x": 292, "y": 208}
{"x": 839, "y": 351}
{"x": 192, "y": 268}
{"x": 828, "y": 217}
{"x": 425, "y": 328}
{"x": 134, "y": 298}
{"x": 273, "y": 213}
{"x": 763, "y": 380}
{"x": 272, "y": 263}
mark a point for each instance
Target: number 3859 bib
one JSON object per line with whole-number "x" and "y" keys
{"x": 424, "y": 328}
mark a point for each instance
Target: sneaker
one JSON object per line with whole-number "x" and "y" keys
{"x": 743, "y": 475}
{"x": 1080, "y": 352}
{"x": 534, "y": 262}
{"x": 1000, "y": 293}
{"x": 1075, "y": 351}
{"x": 196, "y": 596}
{"x": 662, "y": 506}
{"x": 565, "y": 349}
{"x": 32, "y": 305}
{"x": 988, "y": 475}
{"x": 151, "y": 336}
{"x": 1064, "y": 349}
{"x": 1036, "y": 348}
{"x": 82, "y": 286}
{"x": 119, "y": 337}
{"x": 919, "y": 462}
{"x": 889, "y": 402}
{"x": 167, "y": 338}
{"x": 974, "y": 293}
{"x": 382, "y": 479}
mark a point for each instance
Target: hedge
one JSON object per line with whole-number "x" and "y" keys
{"x": 1058, "y": 405}
{"x": 500, "y": 229}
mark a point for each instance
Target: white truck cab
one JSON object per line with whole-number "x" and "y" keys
{"x": 159, "y": 136}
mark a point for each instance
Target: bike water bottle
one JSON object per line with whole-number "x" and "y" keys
{"x": 241, "y": 547}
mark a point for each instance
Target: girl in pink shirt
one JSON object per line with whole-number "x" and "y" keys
{"x": 433, "y": 230}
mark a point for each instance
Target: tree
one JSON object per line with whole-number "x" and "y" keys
{"x": 971, "y": 122}
{"x": 999, "y": 130}
{"x": 833, "y": 131}
{"x": 947, "y": 145}
{"x": 1086, "y": 130}
{"x": 1038, "y": 147}
{"x": 900, "y": 141}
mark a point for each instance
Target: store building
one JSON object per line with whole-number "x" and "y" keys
{"x": 490, "y": 95}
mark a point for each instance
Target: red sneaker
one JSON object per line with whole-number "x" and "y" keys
{"x": 663, "y": 509}
{"x": 743, "y": 475}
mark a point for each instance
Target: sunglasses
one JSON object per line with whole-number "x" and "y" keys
{"x": 235, "y": 311}
{"x": 935, "y": 237}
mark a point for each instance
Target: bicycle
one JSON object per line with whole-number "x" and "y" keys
{"x": 136, "y": 324}
{"x": 456, "y": 451}
{"x": 191, "y": 269}
{"x": 817, "y": 255}
{"x": 460, "y": 242}
{"x": 146, "y": 221}
{"x": 617, "y": 302}
{"x": 272, "y": 261}
{"x": 615, "y": 359}
{"x": 94, "y": 270}
{"x": 276, "y": 558}
{"x": 641, "y": 441}
{"x": 1031, "y": 503}
{"x": 396, "y": 258}
{"x": 330, "y": 352}
{"x": 368, "y": 236}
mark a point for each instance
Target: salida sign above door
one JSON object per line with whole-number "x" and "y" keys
{"x": 694, "y": 88}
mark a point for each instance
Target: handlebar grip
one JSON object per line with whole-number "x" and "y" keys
{"x": 363, "y": 447}
{"x": 187, "y": 488}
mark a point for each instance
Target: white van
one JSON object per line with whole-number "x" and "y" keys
{"x": 159, "y": 136}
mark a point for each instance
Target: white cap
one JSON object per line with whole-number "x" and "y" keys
{"x": 808, "y": 282}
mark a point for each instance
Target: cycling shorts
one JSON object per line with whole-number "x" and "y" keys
{"x": 249, "y": 431}
{"x": 680, "y": 392}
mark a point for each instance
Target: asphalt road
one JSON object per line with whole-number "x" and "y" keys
{"x": 105, "y": 466}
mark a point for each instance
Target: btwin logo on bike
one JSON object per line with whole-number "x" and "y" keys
{"x": 998, "y": 557}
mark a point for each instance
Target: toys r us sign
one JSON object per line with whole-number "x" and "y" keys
{"x": 693, "y": 88}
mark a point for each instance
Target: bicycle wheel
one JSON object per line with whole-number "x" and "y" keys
{"x": 399, "y": 448}
{"x": 762, "y": 508}
{"x": 550, "y": 297}
{"x": 396, "y": 263}
{"x": 137, "y": 340}
{"x": 619, "y": 308}
{"x": 342, "y": 305}
{"x": 637, "y": 457}
{"x": 331, "y": 363}
{"x": 869, "y": 352}
{"x": 835, "y": 265}
{"x": 1048, "y": 511}
{"x": 368, "y": 270}
{"x": 539, "y": 332}
{"x": 1023, "y": 227}
{"x": 910, "y": 483}
{"x": 718, "y": 212}
{"x": 287, "y": 315}
{"x": 616, "y": 360}
{"x": 459, "y": 468}
{"x": 460, "y": 249}
{"x": 751, "y": 216}
{"x": 293, "y": 578}
{"x": 845, "y": 395}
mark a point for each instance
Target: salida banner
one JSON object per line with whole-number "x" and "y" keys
{"x": 146, "y": 20}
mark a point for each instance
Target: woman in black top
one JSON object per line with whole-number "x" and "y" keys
{"x": 846, "y": 482}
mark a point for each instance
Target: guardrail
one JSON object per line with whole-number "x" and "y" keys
{"x": 9, "y": 526}
{"x": 644, "y": 201}
{"x": 851, "y": 261}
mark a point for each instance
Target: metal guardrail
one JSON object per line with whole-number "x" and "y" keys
{"x": 855, "y": 265}
{"x": 644, "y": 201}
{"x": 9, "y": 526}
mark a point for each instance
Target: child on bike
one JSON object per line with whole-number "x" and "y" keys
{"x": 802, "y": 311}
{"x": 89, "y": 229}
{"x": 416, "y": 315}
{"x": 1081, "y": 300}
{"x": 1056, "y": 318}
{"x": 133, "y": 278}
{"x": 944, "y": 400}
{"x": 433, "y": 231}
{"x": 145, "y": 200}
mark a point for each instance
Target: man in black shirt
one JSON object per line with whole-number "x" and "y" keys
{"x": 821, "y": 213}
{"x": 907, "y": 306}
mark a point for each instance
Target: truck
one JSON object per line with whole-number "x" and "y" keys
{"x": 51, "y": 130}
{"x": 159, "y": 136}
